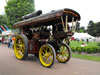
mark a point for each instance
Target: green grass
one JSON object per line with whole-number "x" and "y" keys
{"x": 80, "y": 56}
{"x": 78, "y": 44}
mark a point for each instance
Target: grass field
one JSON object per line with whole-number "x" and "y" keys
{"x": 86, "y": 57}
{"x": 78, "y": 44}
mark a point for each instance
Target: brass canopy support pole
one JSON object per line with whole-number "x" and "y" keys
{"x": 66, "y": 23}
{"x": 72, "y": 24}
{"x": 62, "y": 23}
{"x": 75, "y": 25}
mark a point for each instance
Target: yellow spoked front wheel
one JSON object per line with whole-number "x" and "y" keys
{"x": 21, "y": 47}
{"x": 64, "y": 53}
{"x": 47, "y": 55}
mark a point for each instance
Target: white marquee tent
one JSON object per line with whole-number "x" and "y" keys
{"x": 83, "y": 36}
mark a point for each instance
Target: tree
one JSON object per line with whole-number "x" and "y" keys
{"x": 97, "y": 29}
{"x": 78, "y": 27}
{"x": 90, "y": 28}
{"x": 3, "y": 20}
{"x": 15, "y": 9}
{"x": 82, "y": 30}
{"x": 94, "y": 28}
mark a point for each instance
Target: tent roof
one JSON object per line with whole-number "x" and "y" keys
{"x": 82, "y": 35}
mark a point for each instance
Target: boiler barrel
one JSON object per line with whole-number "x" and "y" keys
{"x": 34, "y": 14}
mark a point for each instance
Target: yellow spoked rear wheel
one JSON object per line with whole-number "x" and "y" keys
{"x": 20, "y": 47}
{"x": 64, "y": 53}
{"x": 47, "y": 55}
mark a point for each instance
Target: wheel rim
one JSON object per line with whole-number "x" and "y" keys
{"x": 46, "y": 55}
{"x": 63, "y": 53}
{"x": 19, "y": 47}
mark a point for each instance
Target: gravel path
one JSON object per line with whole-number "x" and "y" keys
{"x": 9, "y": 65}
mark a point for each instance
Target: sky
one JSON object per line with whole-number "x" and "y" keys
{"x": 88, "y": 9}
{"x": 2, "y": 4}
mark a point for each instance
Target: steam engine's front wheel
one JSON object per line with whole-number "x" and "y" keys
{"x": 47, "y": 55}
{"x": 21, "y": 47}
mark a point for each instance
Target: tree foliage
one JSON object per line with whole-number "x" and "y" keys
{"x": 93, "y": 28}
{"x": 97, "y": 29}
{"x": 15, "y": 9}
{"x": 80, "y": 29}
{"x": 3, "y": 20}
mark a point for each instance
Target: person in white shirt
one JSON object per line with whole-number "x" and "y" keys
{"x": 83, "y": 45}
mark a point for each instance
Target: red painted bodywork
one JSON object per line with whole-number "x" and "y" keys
{"x": 33, "y": 46}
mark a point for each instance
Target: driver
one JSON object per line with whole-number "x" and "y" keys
{"x": 28, "y": 33}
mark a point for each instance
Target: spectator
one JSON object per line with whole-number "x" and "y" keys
{"x": 2, "y": 39}
{"x": 9, "y": 41}
{"x": 83, "y": 45}
{"x": 13, "y": 39}
{"x": 87, "y": 41}
{"x": 78, "y": 40}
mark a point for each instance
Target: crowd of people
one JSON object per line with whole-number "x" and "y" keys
{"x": 8, "y": 40}
{"x": 11, "y": 39}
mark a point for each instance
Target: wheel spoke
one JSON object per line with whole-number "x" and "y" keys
{"x": 22, "y": 45}
{"x": 63, "y": 47}
{"x": 66, "y": 55}
{"x": 43, "y": 57}
{"x": 43, "y": 50}
{"x": 50, "y": 58}
{"x": 46, "y": 50}
{"x": 43, "y": 53}
{"x": 50, "y": 53}
{"x": 47, "y": 61}
{"x": 20, "y": 41}
{"x": 64, "y": 51}
{"x": 17, "y": 44}
{"x": 20, "y": 52}
{"x": 61, "y": 57}
{"x": 64, "y": 58}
